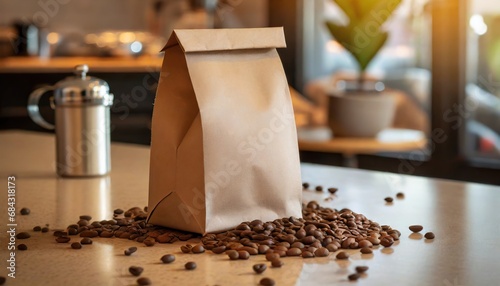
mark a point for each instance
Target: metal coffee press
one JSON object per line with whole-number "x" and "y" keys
{"x": 82, "y": 123}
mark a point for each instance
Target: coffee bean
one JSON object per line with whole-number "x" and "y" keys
{"x": 233, "y": 254}
{"x": 23, "y": 235}
{"x": 361, "y": 269}
{"x": 45, "y": 229}
{"x": 22, "y": 246}
{"x": 267, "y": 282}
{"x": 86, "y": 217}
{"x": 293, "y": 252}
{"x": 263, "y": 249}
{"x": 386, "y": 241}
{"x": 243, "y": 254}
{"x": 277, "y": 263}
{"x": 321, "y": 252}
{"x": 37, "y": 228}
{"x": 271, "y": 256}
{"x": 86, "y": 240}
{"x": 307, "y": 254}
{"x": 2, "y": 280}
{"x": 389, "y": 199}
{"x": 353, "y": 277}
{"x": 219, "y": 249}
{"x": 342, "y": 255}
{"x": 319, "y": 188}
{"x": 144, "y": 281}
{"x": 135, "y": 270}
{"x": 366, "y": 250}
{"x": 186, "y": 248}
{"x": 259, "y": 268}
{"x": 130, "y": 250}
{"x": 149, "y": 242}
{"x": 89, "y": 233}
{"x": 198, "y": 249}
{"x": 332, "y": 190}
{"x": 400, "y": 195}
{"x": 416, "y": 228}
{"x": 167, "y": 258}
{"x": 76, "y": 245}
{"x": 118, "y": 211}
{"x": 364, "y": 243}
{"x": 25, "y": 211}
{"x": 63, "y": 239}
{"x": 332, "y": 247}
{"x": 72, "y": 231}
{"x": 305, "y": 185}
{"x": 106, "y": 233}
{"x": 191, "y": 265}
{"x": 429, "y": 235}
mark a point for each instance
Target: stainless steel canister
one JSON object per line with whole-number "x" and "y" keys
{"x": 82, "y": 123}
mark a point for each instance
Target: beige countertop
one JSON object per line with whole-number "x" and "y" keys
{"x": 463, "y": 216}
{"x": 64, "y": 64}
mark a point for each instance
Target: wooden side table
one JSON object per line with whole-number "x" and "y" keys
{"x": 318, "y": 139}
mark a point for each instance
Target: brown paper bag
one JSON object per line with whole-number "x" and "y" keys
{"x": 224, "y": 144}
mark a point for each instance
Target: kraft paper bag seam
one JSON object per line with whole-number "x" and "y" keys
{"x": 203, "y": 40}
{"x": 187, "y": 130}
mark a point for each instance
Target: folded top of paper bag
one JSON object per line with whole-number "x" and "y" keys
{"x": 227, "y": 39}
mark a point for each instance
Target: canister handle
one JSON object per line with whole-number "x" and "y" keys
{"x": 34, "y": 110}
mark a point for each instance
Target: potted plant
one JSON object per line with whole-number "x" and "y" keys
{"x": 362, "y": 109}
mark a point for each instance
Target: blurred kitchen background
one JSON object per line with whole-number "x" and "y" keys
{"x": 442, "y": 59}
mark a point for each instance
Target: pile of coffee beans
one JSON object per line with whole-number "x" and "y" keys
{"x": 320, "y": 232}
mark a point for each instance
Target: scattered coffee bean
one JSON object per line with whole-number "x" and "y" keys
{"x": 386, "y": 241}
{"x": 135, "y": 270}
{"x": 416, "y": 228}
{"x": 305, "y": 185}
{"x": 276, "y": 263}
{"x": 400, "y": 195}
{"x": 243, "y": 254}
{"x": 25, "y": 211}
{"x": 219, "y": 249}
{"x": 45, "y": 229}
{"x": 364, "y": 243}
{"x": 149, "y": 242}
{"x": 233, "y": 254}
{"x": 167, "y": 258}
{"x": 267, "y": 282}
{"x": 319, "y": 188}
{"x": 198, "y": 249}
{"x": 63, "y": 239}
{"x": 130, "y": 250}
{"x": 332, "y": 190}
{"x": 191, "y": 265}
{"x": 186, "y": 248}
{"x": 342, "y": 255}
{"x": 366, "y": 250}
{"x": 60, "y": 233}
{"x": 321, "y": 252}
{"x": 259, "y": 268}
{"x": 72, "y": 231}
{"x": 22, "y": 246}
{"x": 429, "y": 235}
{"x": 353, "y": 277}
{"x": 389, "y": 199}
{"x": 76, "y": 245}
{"x": 118, "y": 211}
{"x": 23, "y": 235}
{"x": 37, "y": 228}
{"x": 144, "y": 281}
{"x": 86, "y": 217}
{"x": 86, "y": 240}
{"x": 2, "y": 280}
{"x": 361, "y": 269}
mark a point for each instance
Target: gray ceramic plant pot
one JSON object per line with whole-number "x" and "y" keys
{"x": 360, "y": 113}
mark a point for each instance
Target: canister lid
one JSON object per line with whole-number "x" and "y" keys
{"x": 81, "y": 89}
